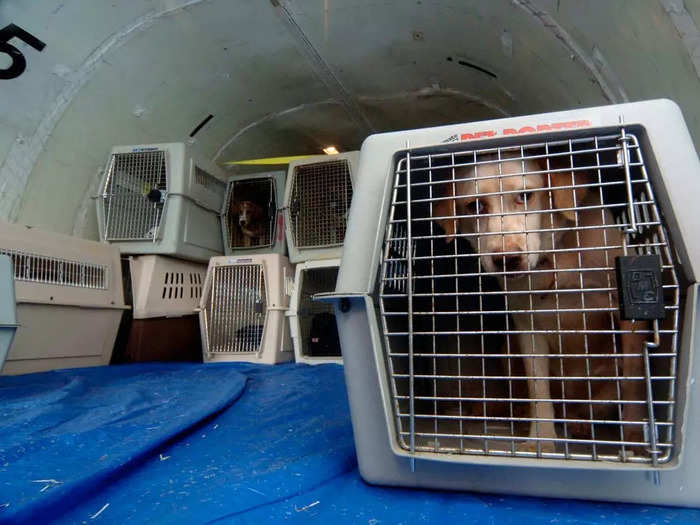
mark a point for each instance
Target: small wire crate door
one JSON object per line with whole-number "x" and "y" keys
{"x": 505, "y": 330}
{"x": 134, "y": 195}
{"x": 320, "y": 199}
{"x": 236, "y": 309}
{"x": 318, "y": 334}
{"x": 250, "y": 213}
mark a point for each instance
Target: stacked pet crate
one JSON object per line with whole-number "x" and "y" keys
{"x": 160, "y": 205}
{"x": 164, "y": 293}
{"x": 246, "y": 292}
{"x": 316, "y": 204}
{"x": 312, "y": 323}
{"x": 69, "y": 300}
{"x": 242, "y": 309}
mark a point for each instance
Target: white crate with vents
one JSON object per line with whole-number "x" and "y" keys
{"x": 312, "y": 323}
{"x": 525, "y": 317}
{"x": 161, "y": 199}
{"x": 165, "y": 287}
{"x": 316, "y": 203}
{"x": 252, "y": 220}
{"x": 69, "y": 299}
{"x": 242, "y": 311}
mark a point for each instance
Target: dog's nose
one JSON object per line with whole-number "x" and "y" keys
{"x": 509, "y": 263}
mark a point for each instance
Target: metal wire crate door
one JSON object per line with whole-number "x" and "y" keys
{"x": 462, "y": 311}
{"x": 260, "y": 192}
{"x": 134, "y": 195}
{"x": 237, "y": 309}
{"x": 314, "y": 281}
{"x": 320, "y": 200}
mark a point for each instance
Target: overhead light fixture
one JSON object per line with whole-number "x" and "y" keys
{"x": 330, "y": 150}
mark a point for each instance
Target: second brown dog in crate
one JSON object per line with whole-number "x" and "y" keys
{"x": 548, "y": 240}
{"x": 252, "y": 221}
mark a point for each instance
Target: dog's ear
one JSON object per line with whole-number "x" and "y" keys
{"x": 235, "y": 207}
{"x": 569, "y": 198}
{"x": 447, "y": 208}
{"x": 259, "y": 211}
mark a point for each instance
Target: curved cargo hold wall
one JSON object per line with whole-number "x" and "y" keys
{"x": 290, "y": 76}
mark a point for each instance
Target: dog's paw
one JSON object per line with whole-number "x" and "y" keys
{"x": 579, "y": 430}
{"x": 546, "y": 447}
{"x": 635, "y": 435}
{"x": 635, "y": 451}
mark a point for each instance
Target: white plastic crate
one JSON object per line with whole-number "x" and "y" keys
{"x": 458, "y": 354}
{"x": 69, "y": 299}
{"x": 161, "y": 199}
{"x": 165, "y": 287}
{"x": 312, "y": 323}
{"x": 252, "y": 220}
{"x": 316, "y": 203}
{"x": 242, "y": 311}
{"x": 8, "y": 315}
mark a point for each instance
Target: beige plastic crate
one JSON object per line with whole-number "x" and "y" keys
{"x": 165, "y": 287}
{"x": 242, "y": 312}
{"x": 69, "y": 299}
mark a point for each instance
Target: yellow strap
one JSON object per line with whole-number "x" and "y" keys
{"x": 269, "y": 160}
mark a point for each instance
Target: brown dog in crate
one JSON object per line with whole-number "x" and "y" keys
{"x": 551, "y": 244}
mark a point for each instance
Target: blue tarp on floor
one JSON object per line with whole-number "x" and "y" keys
{"x": 184, "y": 443}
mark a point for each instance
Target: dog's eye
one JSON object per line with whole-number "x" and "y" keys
{"x": 475, "y": 207}
{"x": 521, "y": 198}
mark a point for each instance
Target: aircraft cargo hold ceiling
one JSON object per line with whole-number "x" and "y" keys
{"x": 260, "y": 78}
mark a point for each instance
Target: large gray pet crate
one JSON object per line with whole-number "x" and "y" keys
{"x": 161, "y": 199}
{"x": 511, "y": 365}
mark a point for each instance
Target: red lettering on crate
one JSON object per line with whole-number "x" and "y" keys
{"x": 554, "y": 126}
{"x": 478, "y": 135}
